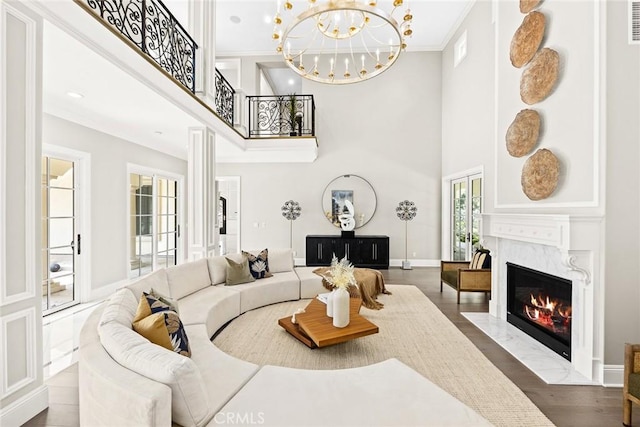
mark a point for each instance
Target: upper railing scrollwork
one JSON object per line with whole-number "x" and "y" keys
{"x": 155, "y": 31}
{"x": 225, "y": 98}
{"x": 291, "y": 115}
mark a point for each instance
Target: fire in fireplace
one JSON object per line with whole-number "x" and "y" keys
{"x": 540, "y": 304}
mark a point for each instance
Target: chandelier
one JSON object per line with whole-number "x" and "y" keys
{"x": 340, "y": 41}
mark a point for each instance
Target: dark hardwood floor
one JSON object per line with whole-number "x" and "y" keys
{"x": 565, "y": 406}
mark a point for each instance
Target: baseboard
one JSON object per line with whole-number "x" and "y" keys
{"x": 299, "y": 262}
{"x": 613, "y": 375}
{"x": 25, "y": 408}
{"x": 105, "y": 291}
{"x": 416, "y": 262}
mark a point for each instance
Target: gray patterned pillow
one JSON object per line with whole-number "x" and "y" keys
{"x": 258, "y": 264}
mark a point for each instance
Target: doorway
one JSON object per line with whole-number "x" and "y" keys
{"x": 463, "y": 204}
{"x": 61, "y": 240}
{"x": 229, "y": 214}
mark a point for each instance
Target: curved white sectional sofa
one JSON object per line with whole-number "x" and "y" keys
{"x": 125, "y": 380}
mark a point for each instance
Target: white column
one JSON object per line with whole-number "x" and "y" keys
{"x": 22, "y": 392}
{"x": 202, "y": 19}
{"x": 202, "y": 194}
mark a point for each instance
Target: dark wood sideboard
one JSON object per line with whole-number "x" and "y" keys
{"x": 362, "y": 251}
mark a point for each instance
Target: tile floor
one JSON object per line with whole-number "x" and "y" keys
{"x": 60, "y": 336}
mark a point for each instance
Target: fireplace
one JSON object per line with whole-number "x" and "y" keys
{"x": 540, "y": 305}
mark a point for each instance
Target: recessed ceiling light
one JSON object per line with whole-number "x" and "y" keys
{"x": 292, "y": 82}
{"x": 75, "y": 95}
{"x": 235, "y": 19}
{"x": 268, "y": 19}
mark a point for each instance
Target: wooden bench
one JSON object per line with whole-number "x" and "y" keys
{"x": 460, "y": 277}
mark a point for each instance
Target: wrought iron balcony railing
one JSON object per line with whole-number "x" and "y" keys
{"x": 155, "y": 31}
{"x": 225, "y": 99}
{"x": 291, "y": 115}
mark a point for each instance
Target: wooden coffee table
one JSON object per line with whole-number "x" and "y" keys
{"x": 315, "y": 328}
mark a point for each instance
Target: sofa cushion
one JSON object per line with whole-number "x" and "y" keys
{"x": 185, "y": 279}
{"x": 280, "y": 260}
{"x": 165, "y": 329}
{"x": 258, "y": 264}
{"x": 121, "y": 308}
{"x": 634, "y": 384}
{"x": 280, "y": 287}
{"x": 156, "y": 280}
{"x": 450, "y": 277}
{"x": 310, "y": 283}
{"x": 189, "y": 396}
{"x": 212, "y": 307}
{"x": 222, "y": 374}
{"x": 238, "y": 272}
{"x": 217, "y": 269}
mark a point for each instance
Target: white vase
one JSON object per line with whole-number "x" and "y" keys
{"x": 330, "y": 303}
{"x": 341, "y": 308}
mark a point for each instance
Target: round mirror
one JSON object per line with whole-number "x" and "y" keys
{"x": 355, "y": 189}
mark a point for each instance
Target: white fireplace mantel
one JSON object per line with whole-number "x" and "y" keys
{"x": 563, "y": 245}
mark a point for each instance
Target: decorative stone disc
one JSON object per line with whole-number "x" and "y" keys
{"x": 523, "y": 133}
{"x": 540, "y": 76}
{"x": 540, "y": 175}
{"x": 527, "y": 39}
{"x": 527, "y": 6}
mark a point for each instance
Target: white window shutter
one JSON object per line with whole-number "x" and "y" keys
{"x": 634, "y": 21}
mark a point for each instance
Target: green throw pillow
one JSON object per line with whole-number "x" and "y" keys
{"x": 238, "y": 272}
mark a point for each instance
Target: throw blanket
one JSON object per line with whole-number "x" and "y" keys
{"x": 370, "y": 285}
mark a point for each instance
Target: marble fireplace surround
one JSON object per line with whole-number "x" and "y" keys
{"x": 567, "y": 246}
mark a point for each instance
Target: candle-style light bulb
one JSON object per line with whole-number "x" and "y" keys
{"x": 362, "y": 57}
{"x": 288, "y": 50}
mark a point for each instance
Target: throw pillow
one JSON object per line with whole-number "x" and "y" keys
{"x": 173, "y": 304}
{"x": 258, "y": 264}
{"x": 238, "y": 272}
{"x": 165, "y": 329}
{"x": 481, "y": 260}
{"x": 148, "y": 305}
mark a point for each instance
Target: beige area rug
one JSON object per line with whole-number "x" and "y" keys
{"x": 413, "y": 330}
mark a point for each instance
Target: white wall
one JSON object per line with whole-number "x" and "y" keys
{"x": 468, "y": 100}
{"x": 386, "y": 130}
{"x": 22, "y": 392}
{"x": 573, "y": 127}
{"x": 109, "y": 191}
{"x": 622, "y": 299}
{"x": 570, "y": 114}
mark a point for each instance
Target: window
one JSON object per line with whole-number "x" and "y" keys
{"x": 466, "y": 197}
{"x": 154, "y": 223}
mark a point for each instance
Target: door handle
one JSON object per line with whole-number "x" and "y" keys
{"x": 79, "y": 245}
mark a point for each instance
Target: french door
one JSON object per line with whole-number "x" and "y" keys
{"x": 154, "y": 222}
{"x": 61, "y": 239}
{"x": 466, "y": 211}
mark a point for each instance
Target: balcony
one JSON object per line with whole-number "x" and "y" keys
{"x": 290, "y": 115}
{"x": 157, "y": 114}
